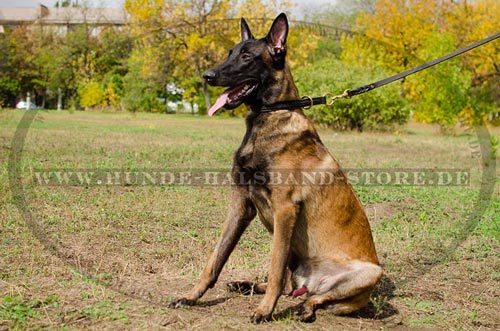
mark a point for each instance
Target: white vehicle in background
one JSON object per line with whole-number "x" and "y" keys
{"x": 24, "y": 105}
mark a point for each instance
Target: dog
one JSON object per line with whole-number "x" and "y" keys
{"x": 322, "y": 246}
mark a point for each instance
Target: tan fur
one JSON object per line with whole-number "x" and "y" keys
{"x": 320, "y": 232}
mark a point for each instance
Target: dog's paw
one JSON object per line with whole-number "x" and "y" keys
{"x": 260, "y": 317}
{"x": 180, "y": 302}
{"x": 241, "y": 287}
{"x": 305, "y": 313}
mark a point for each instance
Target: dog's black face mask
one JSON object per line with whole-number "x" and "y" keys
{"x": 248, "y": 65}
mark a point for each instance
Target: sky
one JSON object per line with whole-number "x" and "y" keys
{"x": 118, "y": 3}
{"x": 297, "y": 11}
{"x": 50, "y": 3}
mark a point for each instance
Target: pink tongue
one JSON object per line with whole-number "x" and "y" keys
{"x": 298, "y": 292}
{"x": 221, "y": 101}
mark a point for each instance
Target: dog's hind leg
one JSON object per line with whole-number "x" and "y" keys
{"x": 347, "y": 286}
{"x": 307, "y": 310}
{"x": 241, "y": 212}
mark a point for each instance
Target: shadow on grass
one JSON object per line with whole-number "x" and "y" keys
{"x": 379, "y": 306}
{"x": 213, "y": 302}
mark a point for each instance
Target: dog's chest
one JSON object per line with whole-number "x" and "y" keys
{"x": 261, "y": 199}
{"x": 260, "y": 157}
{"x": 254, "y": 152}
{"x": 262, "y": 142}
{"x": 252, "y": 169}
{"x": 252, "y": 165}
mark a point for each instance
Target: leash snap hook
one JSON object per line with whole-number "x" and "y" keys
{"x": 333, "y": 97}
{"x": 330, "y": 97}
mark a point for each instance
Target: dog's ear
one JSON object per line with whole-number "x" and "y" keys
{"x": 276, "y": 38}
{"x": 245, "y": 30}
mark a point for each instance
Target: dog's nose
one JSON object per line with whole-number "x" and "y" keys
{"x": 209, "y": 75}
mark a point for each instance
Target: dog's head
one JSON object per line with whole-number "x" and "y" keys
{"x": 250, "y": 66}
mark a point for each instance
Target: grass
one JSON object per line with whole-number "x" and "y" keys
{"x": 118, "y": 253}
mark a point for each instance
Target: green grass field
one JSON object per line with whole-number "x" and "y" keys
{"x": 111, "y": 256}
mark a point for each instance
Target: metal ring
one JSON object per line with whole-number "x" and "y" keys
{"x": 310, "y": 99}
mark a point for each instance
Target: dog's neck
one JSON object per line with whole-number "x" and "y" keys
{"x": 282, "y": 88}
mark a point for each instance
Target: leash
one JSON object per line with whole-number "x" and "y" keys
{"x": 329, "y": 98}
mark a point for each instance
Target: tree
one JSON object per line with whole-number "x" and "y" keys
{"x": 342, "y": 13}
{"x": 9, "y": 86}
{"x": 177, "y": 41}
{"x": 401, "y": 34}
{"x": 473, "y": 21}
{"x": 140, "y": 93}
{"x": 101, "y": 86}
{"x": 23, "y": 57}
{"x": 66, "y": 3}
{"x": 442, "y": 93}
{"x": 154, "y": 28}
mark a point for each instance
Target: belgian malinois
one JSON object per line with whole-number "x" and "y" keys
{"x": 322, "y": 245}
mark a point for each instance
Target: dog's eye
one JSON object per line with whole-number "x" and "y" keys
{"x": 245, "y": 56}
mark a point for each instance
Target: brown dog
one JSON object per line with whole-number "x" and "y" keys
{"x": 320, "y": 232}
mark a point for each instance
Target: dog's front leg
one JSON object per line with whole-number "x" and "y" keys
{"x": 241, "y": 212}
{"x": 285, "y": 217}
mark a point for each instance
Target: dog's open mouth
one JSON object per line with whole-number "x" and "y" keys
{"x": 233, "y": 96}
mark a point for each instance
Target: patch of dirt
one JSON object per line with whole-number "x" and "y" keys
{"x": 377, "y": 212}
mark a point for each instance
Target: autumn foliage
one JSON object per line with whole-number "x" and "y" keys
{"x": 401, "y": 34}
{"x": 159, "y": 57}
{"x": 177, "y": 40}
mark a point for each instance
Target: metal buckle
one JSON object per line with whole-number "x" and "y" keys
{"x": 310, "y": 100}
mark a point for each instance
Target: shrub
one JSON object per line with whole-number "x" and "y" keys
{"x": 377, "y": 109}
{"x": 92, "y": 94}
{"x": 114, "y": 90}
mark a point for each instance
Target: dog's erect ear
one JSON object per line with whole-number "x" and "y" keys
{"x": 245, "y": 31}
{"x": 276, "y": 38}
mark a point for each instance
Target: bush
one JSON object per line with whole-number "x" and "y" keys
{"x": 114, "y": 90}
{"x": 92, "y": 94}
{"x": 377, "y": 109}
